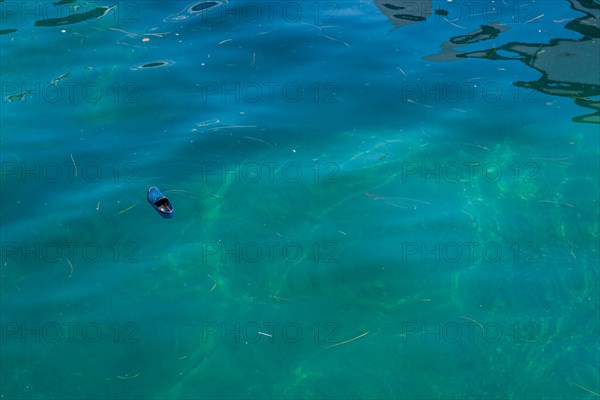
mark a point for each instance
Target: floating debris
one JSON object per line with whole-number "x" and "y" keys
{"x": 534, "y": 18}
{"x": 192, "y": 11}
{"x": 71, "y": 268}
{"x": 18, "y": 96}
{"x": 278, "y": 298}
{"x": 204, "y": 6}
{"x": 74, "y": 164}
{"x": 556, "y": 202}
{"x": 209, "y": 122}
{"x": 154, "y": 64}
{"x": 218, "y": 128}
{"x": 64, "y": 76}
{"x": 125, "y": 210}
{"x": 128, "y": 377}
{"x": 258, "y": 140}
{"x": 349, "y": 340}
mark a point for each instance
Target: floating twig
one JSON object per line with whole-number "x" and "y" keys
{"x": 214, "y": 285}
{"x": 556, "y": 202}
{"x": 128, "y": 377}
{"x": 337, "y": 40}
{"x": 453, "y": 24}
{"x": 373, "y": 196}
{"x": 75, "y": 165}
{"x": 586, "y": 389}
{"x": 472, "y": 320}
{"x": 395, "y": 205}
{"x": 409, "y": 199}
{"x": 217, "y": 128}
{"x": 70, "y": 266}
{"x": 477, "y": 145}
{"x": 535, "y": 18}
{"x": 278, "y": 298}
{"x": 349, "y": 340}
{"x": 125, "y": 210}
{"x": 258, "y": 140}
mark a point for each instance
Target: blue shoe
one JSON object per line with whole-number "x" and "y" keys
{"x": 160, "y": 202}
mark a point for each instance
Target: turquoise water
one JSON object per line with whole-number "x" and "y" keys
{"x": 372, "y": 200}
